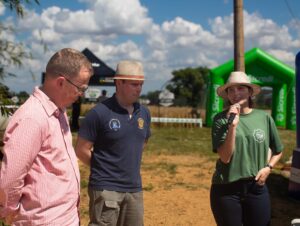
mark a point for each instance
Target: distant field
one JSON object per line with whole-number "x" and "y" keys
{"x": 159, "y": 111}
{"x": 176, "y": 112}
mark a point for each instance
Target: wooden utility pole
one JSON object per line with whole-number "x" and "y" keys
{"x": 239, "y": 62}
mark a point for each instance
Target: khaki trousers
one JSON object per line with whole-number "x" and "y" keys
{"x": 111, "y": 208}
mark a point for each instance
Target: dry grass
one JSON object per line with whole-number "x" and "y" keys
{"x": 176, "y": 190}
{"x": 160, "y": 111}
{"x": 175, "y": 112}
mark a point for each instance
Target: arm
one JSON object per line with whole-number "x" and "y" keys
{"x": 274, "y": 153}
{"x": 226, "y": 150}
{"x": 263, "y": 173}
{"x": 83, "y": 150}
{"x": 274, "y": 159}
{"x": 23, "y": 141}
{"x": 146, "y": 141}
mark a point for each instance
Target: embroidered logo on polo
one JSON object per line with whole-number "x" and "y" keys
{"x": 114, "y": 124}
{"x": 259, "y": 135}
{"x": 141, "y": 123}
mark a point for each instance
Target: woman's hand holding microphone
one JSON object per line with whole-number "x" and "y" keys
{"x": 233, "y": 114}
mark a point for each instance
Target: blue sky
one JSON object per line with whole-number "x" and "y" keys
{"x": 164, "y": 35}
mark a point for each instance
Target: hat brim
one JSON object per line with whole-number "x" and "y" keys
{"x": 221, "y": 91}
{"x": 129, "y": 77}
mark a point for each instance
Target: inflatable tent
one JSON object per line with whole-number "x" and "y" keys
{"x": 264, "y": 70}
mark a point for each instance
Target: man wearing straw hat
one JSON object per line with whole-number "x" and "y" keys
{"x": 111, "y": 140}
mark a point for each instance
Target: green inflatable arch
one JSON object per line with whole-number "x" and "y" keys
{"x": 263, "y": 70}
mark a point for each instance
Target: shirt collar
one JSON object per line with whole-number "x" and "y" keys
{"x": 48, "y": 105}
{"x": 136, "y": 105}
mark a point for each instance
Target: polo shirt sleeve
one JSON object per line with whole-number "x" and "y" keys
{"x": 90, "y": 126}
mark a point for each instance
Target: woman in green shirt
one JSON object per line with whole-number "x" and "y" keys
{"x": 248, "y": 145}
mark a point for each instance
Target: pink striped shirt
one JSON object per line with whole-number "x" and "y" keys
{"x": 39, "y": 178}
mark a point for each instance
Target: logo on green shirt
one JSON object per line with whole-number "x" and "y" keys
{"x": 259, "y": 135}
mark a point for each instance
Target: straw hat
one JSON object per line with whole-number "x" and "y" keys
{"x": 237, "y": 78}
{"x": 130, "y": 70}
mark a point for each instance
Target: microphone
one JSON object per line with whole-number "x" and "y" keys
{"x": 231, "y": 118}
{"x": 232, "y": 115}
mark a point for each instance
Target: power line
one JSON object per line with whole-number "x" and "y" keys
{"x": 290, "y": 9}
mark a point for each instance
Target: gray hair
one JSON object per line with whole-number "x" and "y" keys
{"x": 68, "y": 62}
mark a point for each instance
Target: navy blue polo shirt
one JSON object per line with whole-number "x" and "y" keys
{"x": 118, "y": 145}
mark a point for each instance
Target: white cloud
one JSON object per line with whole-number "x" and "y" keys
{"x": 121, "y": 17}
{"x": 115, "y": 30}
{"x": 129, "y": 50}
{"x": 258, "y": 32}
{"x": 159, "y": 55}
{"x": 30, "y": 21}
{"x": 283, "y": 55}
{"x": 294, "y": 25}
{"x": 2, "y": 9}
{"x": 156, "y": 39}
{"x": 116, "y": 17}
{"x": 180, "y": 26}
{"x": 184, "y": 33}
{"x": 79, "y": 22}
{"x": 48, "y": 36}
{"x": 181, "y": 43}
{"x": 8, "y": 34}
{"x": 222, "y": 26}
{"x": 48, "y": 16}
{"x": 269, "y": 36}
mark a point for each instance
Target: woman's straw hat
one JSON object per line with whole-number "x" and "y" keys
{"x": 130, "y": 70}
{"x": 237, "y": 78}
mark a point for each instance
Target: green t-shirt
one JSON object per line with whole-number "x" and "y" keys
{"x": 255, "y": 133}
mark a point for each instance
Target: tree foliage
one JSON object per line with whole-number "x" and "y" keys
{"x": 11, "y": 53}
{"x": 187, "y": 85}
{"x": 17, "y": 5}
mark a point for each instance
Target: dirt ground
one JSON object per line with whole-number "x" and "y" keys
{"x": 176, "y": 193}
{"x": 178, "y": 190}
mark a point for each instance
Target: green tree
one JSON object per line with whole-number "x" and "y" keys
{"x": 17, "y": 5}
{"x": 187, "y": 85}
{"x": 11, "y": 53}
{"x": 23, "y": 96}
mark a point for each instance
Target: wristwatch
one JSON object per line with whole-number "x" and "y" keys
{"x": 268, "y": 165}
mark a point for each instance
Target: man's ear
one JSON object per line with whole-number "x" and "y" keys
{"x": 59, "y": 82}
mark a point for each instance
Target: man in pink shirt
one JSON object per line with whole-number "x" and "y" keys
{"x": 39, "y": 177}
